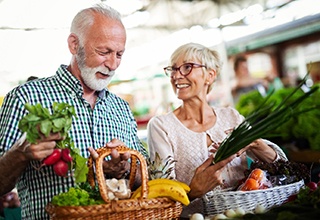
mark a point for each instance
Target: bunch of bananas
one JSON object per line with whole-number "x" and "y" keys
{"x": 172, "y": 189}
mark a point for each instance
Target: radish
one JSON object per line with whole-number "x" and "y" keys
{"x": 61, "y": 168}
{"x": 65, "y": 154}
{"x": 52, "y": 158}
{"x": 312, "y": 186}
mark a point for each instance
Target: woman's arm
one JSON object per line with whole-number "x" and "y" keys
{"x": 265, "y": 151}
{"x": 158, "y": 141}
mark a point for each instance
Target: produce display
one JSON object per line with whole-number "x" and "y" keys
{"x": 298, "y": 128}
{"x": 264, "y": 119}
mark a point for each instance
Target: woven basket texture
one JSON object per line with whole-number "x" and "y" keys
{"x": 218, "y": 202}
{"x": 141, "y": 208}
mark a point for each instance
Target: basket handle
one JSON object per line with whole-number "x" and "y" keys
{"x": 105, "y": 151}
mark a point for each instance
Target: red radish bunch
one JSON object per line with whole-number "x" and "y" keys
{"x": 59, "y": 159}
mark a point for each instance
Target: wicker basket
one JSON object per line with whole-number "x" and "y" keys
{"x": 218, "y": 202}
{"x": 141, "y": 208}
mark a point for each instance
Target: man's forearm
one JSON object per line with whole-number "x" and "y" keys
{"x": 11, "y": 165}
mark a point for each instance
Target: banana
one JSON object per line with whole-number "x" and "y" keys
{"x": 169, "y": 181}
{"x": 167, "y": 188}
{"x": 163, "y": 181}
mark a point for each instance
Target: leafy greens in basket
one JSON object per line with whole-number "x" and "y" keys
{"x": 258, "y": 123}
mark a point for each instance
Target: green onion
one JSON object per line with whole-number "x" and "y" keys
{"x": 258, "y": 124}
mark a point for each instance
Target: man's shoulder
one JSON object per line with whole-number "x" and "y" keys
{"x": 116, "y": 98}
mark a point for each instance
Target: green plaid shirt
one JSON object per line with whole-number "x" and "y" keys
{"x": 111, "y": 118}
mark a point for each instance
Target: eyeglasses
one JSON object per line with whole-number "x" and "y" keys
{"x": 185, "y": 69}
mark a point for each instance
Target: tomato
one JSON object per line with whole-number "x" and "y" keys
{"x": 257, "y": 174}
{"x": 250, "y": 184}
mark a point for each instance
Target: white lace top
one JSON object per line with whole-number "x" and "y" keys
{"x": 168, "y": 136}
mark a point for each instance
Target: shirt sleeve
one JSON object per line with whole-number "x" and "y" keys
{"x": 12, "y": 110}
{"x": 158, "y": 141}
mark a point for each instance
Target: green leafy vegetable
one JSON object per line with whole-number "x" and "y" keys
{"x": 265, "y": 119}
{"x": 299, "y": 127}
{"x": 40, "y": 119}
{"x": 76, "y": 196}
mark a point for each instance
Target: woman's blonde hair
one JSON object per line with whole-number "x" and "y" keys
{"x": 208, "y": 57}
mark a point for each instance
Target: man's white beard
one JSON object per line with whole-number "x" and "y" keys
{"x": 89, "y": 77}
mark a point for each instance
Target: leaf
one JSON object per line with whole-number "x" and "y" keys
{"x": 81, "y": 169}
{"x": 45, "y": 127}
{"x": 59, "y": 124}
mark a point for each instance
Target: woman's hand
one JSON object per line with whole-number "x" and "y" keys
{"x": 118, "y": 165}
{"x": 261, "y": 150}
{"x": 207, "y": 176}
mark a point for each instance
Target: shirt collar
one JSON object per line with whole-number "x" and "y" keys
{"x": 73, "y": 84}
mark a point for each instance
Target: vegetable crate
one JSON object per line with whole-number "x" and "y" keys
{"x": 217, "y": 202}
{"x": 141, "y": 208}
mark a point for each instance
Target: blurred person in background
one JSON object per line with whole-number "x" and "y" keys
{"x": 191, "y": 133}
{"x": 97, "y": 43}
{"x": 244, "y": 81}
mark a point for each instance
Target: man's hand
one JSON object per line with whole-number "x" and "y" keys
{"x": 118, "y": 165}
{"x": 43, "y": 148}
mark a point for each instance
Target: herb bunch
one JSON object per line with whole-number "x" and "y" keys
{"x": 40, "y": 120}
{"x": 258, "y": 123}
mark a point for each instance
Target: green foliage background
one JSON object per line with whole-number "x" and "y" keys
{"x": 302, "y": 126}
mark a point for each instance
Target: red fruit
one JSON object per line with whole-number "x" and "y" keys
{"x": 257, "y": 174}
{"x": 61, "y": 168}
{"x": 65, "y": 154}
{"x": 52, "y": 158}
{"x": 312, "y": 186}
{"x": 250, "y": 184}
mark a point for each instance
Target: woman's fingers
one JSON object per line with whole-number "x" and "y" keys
{"x": 224, "y": 162}
{"x": 205, "y": 165}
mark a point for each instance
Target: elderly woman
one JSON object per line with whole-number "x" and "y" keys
{"x": 191, "y": 133}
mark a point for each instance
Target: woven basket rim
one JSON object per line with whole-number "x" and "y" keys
{"x": 257, "y": 190}
{"x": 216, "y": 202}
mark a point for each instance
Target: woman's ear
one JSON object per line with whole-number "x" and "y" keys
{"x": 73, "y": 43}
{"x": 211, "y": 77}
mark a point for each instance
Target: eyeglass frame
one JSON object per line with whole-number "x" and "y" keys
{"x": 175, "y": 69}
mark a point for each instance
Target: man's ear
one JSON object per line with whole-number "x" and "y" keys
{"x": 73, "y": 43}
